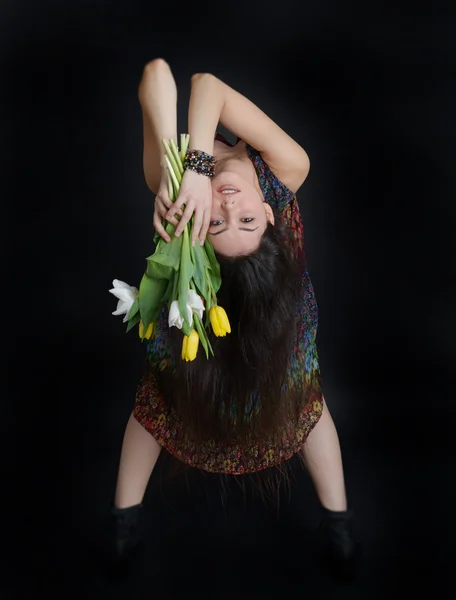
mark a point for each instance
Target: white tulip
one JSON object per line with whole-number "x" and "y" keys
{"x": 174, "y": 317}
{"x": 194, "y": 304}
{"x": 126, "y": 294}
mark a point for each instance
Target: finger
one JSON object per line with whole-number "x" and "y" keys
{"x": 171, "y": 220}
{"x": 184, "y": 219}
{"x": 205, "y": 226}
{"x": 160, "y": 208}
{"x": 174, "y": 210}
{"x": 197, "y": 223}
{"x": 168, "y": 203}
{"x": 164, "y": 200}
{"x": 160, "y": 229}
{"x": 163, "y": 212}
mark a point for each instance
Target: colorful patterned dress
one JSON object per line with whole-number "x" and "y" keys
{"x": 255, "y": 454}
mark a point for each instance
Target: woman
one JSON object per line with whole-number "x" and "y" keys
{"x": 258, "y": 402}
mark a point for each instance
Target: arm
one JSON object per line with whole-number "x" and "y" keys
{"x": 213, "y": 101}
{"x": 157, "y": 95}
{"x": 204, "y": 110}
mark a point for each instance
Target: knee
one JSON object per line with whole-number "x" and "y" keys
{"x": 196, "y": 76}
{"x": 154, "y": 65}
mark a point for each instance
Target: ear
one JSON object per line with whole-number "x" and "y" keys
{"x": 269, "y": 213}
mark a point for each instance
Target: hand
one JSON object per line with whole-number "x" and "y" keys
{"x": 196, "y": 194}
{"x": 163, "y": 204}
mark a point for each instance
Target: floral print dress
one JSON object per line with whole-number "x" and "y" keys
{"x": 255, "y": 454}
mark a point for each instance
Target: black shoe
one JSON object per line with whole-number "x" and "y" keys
{"x": 127, "y": 540}
{"x": 338, "y": 548}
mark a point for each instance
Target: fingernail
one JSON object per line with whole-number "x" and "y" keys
{"x": 201, "y": 242}
{"x": 193, "y": 243}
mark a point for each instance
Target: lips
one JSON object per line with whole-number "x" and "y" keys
{"x": 227, "y": 187}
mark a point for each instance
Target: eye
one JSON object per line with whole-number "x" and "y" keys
{"x": 247, "y": 219}
{"x": 215, "y": 223}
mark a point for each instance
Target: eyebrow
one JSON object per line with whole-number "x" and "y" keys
{"x": 240, "y": 229}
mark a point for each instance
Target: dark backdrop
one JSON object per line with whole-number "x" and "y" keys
{"x": 368, "y": 90}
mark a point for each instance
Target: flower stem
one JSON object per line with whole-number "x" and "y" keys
{"x": 172, "y": 160}
{"x": 185, "y": 140}
{"x": 172, "y": 175}
{"x": 171, "y": 190}
{"x": 175, "y": 152}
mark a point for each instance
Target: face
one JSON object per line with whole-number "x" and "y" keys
{"x": 239, "y": 217}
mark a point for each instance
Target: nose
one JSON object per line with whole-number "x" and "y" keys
{"x": 228, "y": 201}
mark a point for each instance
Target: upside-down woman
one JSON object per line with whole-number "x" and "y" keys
{"x": 258, "y": 402}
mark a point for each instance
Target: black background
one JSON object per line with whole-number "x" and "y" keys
{"x": 369, "y": 91}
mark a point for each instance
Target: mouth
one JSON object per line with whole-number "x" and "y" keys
{"x": 228, "y": 189}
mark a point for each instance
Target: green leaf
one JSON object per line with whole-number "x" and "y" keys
{"x": 186, "y": 328}
{"x": 159, "y": 242}
{"x": 209, "y": 345}
{"x": 151, "y": 298}
{"x": 199, "y": 271}
{"x": 214, "y": 266}
{"x": 185, "y": 274}
{"x": 155, "y": 270}
{"x": 165, "y": 258}
{"x": 200, "y": 252}
{"x": 168, "y": 254}
{"x": 202, "y": 334}
{"x": 134, "y": 309}
{"x": 133, "y": 321}
{"x": 209, "y": 299}
{"x": 168, "y": 295}
{"x": 209, "y": 248}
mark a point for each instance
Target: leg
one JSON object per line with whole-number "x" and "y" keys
{"x": 140, "y": 452}
{"x": 323, "y": 460}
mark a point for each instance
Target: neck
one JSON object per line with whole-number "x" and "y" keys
{"x": 236, "y": 160}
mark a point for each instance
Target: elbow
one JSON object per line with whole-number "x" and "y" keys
{"x": 198, "y": 76}
{"x": 303, "y": 162}
{"x": 153, "y": 71}
{"x": 303, "y": 167}
{"x": 306, "y": 164}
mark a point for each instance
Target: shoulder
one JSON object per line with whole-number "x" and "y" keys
{"x": 284, "y": 182}
{"x": 276, "y": 192}
{"x": 291, "y": 170}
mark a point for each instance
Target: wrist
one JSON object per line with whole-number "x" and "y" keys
{"x": 200, "y": 162}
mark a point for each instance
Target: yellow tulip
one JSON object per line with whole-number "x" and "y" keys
{"x": 149, "y": 331}
{"x": 219, "y": 321}
{"x": 190, "y": 345}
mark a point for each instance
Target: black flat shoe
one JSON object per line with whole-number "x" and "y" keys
{"x": 127, "y": 538}
{"x": 339, "y": 552}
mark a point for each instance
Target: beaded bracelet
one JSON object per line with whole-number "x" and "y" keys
{"x": 200, "y": 162}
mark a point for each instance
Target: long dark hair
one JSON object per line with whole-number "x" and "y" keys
{"x": 241, "y": 390}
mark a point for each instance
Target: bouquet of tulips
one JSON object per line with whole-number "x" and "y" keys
{"x": 184, "y": 277}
